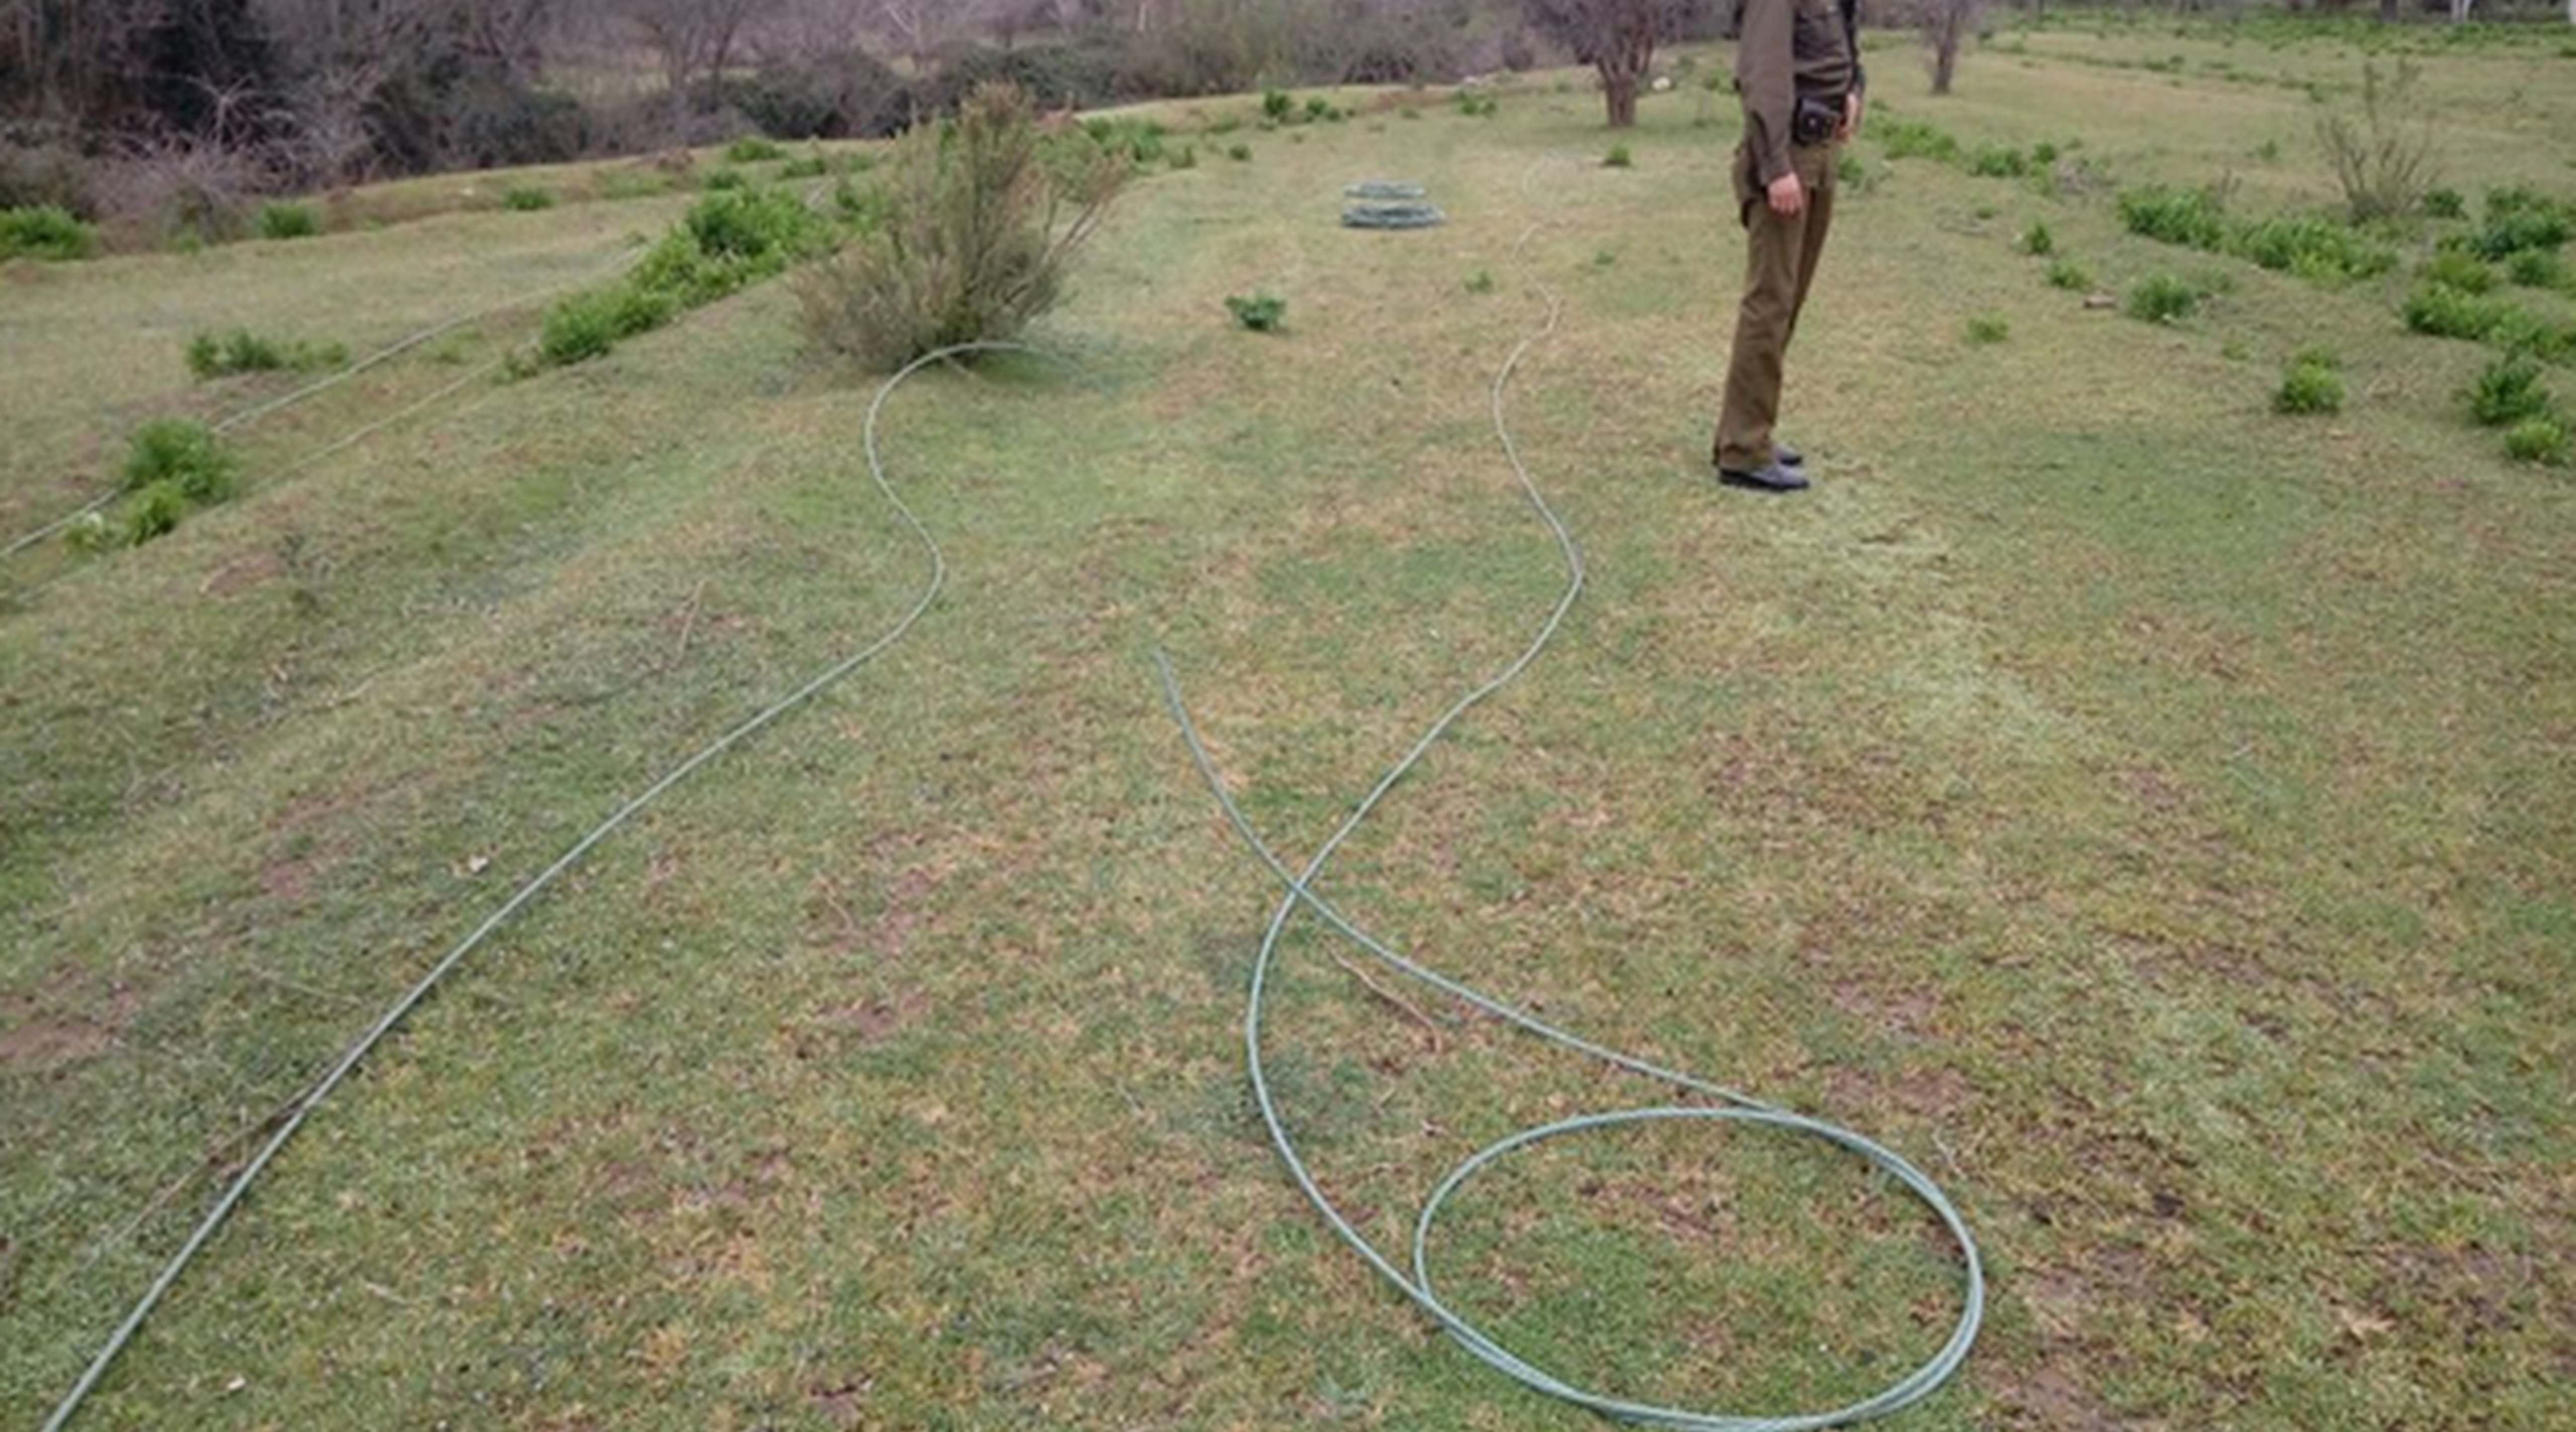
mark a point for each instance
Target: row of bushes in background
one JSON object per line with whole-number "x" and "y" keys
{"x": 2309, "y": 246}
{"x": 726, "y": 242}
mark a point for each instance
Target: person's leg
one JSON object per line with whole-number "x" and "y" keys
{"x": 1774, "y": 245}
{"x": 1819, "y": 169}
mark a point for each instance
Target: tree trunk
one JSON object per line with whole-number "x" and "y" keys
{"x": 1619, "y": 84}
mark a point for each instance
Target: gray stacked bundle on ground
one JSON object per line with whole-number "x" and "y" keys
{"x": 1389, "y": 204}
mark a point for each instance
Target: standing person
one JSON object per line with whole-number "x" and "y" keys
{"x": 1797, "y": 66}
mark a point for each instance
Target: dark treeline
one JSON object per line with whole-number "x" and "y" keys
{"x": 168, "y": 112}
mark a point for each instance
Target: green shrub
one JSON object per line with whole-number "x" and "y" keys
{"x": 2459, "y": 269}
{"x": 1478, "y": 106}
{"x": 1994, "y": 161}
{"x": 182, "y": 455}
{"x": 2441, "y": 311}
{"x": 724, "y": 181}
{"x": 753, "y": 149}
{"x": 587, "y": 325}
{"x": 1278, "y": 106}
{"x": 2508, "y": 391}
{"x": 288, "y": 221}
{"x": 1986, "y": 329}
{"x": 2537, "y": 268}
{"x": 1240, "y": 154}
{"x": 812, "y": 166}
{"x": 2043, "y": 154}
{"x": 2445, "y": 204}
{"x": 526, "y": 199}
{"x": 2543, "y": 440}
{"x": 2038, "y": 240}
{"x": 1619, "y": 158}
{"x": 2071, "y": 276}
{"x": 2313, "y": 248}
{"x": 1261, "y": 313}
{"x": 45, "y": 231}
{"x": 2313, "y": 383}
{"x": 238, "y": 350}
{"x": 1913, "y": 139}
{"x": 2193, "y": 218}
{"x": 155, "y": 512}
{"x": 984, "y": 227}
{"x": 2165, "y": 299}
{"x": 2519, "y": 219}
{"x": 1321, "y": 109}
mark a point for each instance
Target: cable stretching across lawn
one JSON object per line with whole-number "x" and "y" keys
{"x": 1731, "y": 1106}
{"x": 339, "y": 376}
{"x": 302, "y": 1108}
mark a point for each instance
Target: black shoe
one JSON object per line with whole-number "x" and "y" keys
{"x": 1787, "y": 456}
{"x": 1777, "y": 476}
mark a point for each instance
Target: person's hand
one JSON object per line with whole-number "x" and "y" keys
{"x": 1851, "y": 119}
{"x": 1788, "y": 196}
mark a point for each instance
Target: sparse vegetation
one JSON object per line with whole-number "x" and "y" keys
{"x": 238, "y": 350}
{"x": 183, "y": 455}
{"x": 1619, "y": 157}
{"x": 2508, "y": 391}
{"x": 2541, "y": 439}
{"x": 2039, "y": 241}
{"x": 45, "y": 231}
{"x": 2384, "y": 160}
{"x": 2441, "y": 311}
{"x": 753, "y": 149}
{"x": 1259, "y": 313}
{"x": 288, "y": 221}
{"x": 1985, "y": 329}
{"x": 2071, "y": 276}
{"x": 2165, "y": 298}
{"x": 2311, "y": 384}
{"x": 527, "y": 199}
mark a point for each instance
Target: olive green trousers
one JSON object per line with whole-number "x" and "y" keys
{"x": 1780, "y": 258}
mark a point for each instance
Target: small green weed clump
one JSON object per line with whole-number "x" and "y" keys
{"x": 724, "y": 181}
{"x": 1481, "y": 282}
{"x": 2445, "y": 204}
{"x": 45, "y": 231}
{"x": 2038, "y": 241}
{"x": 2165, "y": 299}
{"x": 1240, "y": 154}
{"x": 238, "y": 350}
{"x": 2312, "y": 248}
{"x": 2542, "y": 440}
{"x": 2507, "y": 392}
{"x": 171, "y": 466}
{"x": 1261, "y": 313}
{"x": 2519, "y": 219}
{"x": 1619, "y": 157}
{"x": 2459, "y": 269}
{"x": 2537, "y": 268}
{"x": 1478, "y": 106}
{"x": 1278, "y": 106}
{"x": 2071, "y": 276}
{"x": 1914, "y": 139}
{"x": 2313, "y": 383}
{"x": 288, "y": 221}
{"x": 1994, "y": 161}
{"x": 2191, "y": 218}
{"x": 526, "y": 199}
{"x": 1985, "y": 330}
{"x": 811, "y": 166}
{"x": 2441, "y": 311}
{"x": 753, "y": 149}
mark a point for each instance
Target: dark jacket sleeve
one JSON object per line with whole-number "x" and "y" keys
{"x": 1765, "y": 75}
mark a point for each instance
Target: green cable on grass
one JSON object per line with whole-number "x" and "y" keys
{"x": 1732, "y": 1106}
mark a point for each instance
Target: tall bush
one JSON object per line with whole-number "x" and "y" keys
{"x": 986, "y": 220}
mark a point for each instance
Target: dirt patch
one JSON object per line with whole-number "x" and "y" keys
{"x": 39, "y": 1036}
{"x": 2055, "y": 1400}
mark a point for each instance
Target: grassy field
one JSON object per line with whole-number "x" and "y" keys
{"x": 2155, "y": 816}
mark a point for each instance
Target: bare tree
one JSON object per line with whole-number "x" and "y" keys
{"x": 695, "y": 39}
{"x": 1617, "y": 38}
{"x": 1947, "y": 24}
